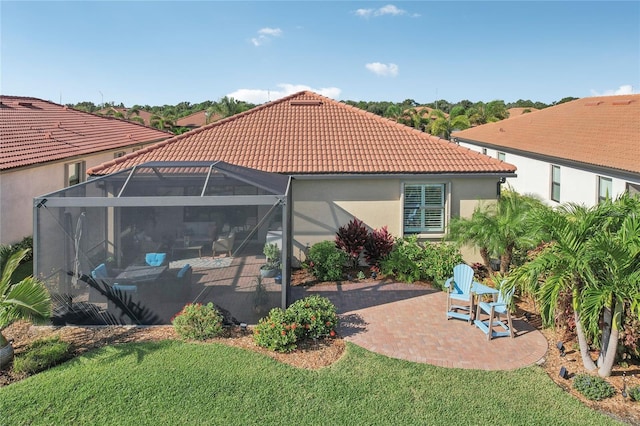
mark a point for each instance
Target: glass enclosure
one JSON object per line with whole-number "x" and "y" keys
{"x": 134, "y": 247}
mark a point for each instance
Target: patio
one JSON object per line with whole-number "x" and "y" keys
{"x": 408, "y": 322}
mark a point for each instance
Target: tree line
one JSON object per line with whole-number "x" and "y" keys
{"x": 439, "y": 118}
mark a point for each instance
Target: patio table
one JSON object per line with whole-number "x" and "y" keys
{"x": 478, "y": 290}
{"x": 141, "y": 273}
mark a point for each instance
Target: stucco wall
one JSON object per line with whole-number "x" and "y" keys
{"x": 322, "y": 206}
{"x": 19, "y": 187}
{"x": 577, "y": 185}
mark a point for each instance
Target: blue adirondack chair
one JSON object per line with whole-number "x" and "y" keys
{"x": 494, "y": 310}
{"x": 459, "y": 295}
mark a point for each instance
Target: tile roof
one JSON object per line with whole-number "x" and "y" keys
{"x": 601, "y": 131}
{"x": 34, "y": 131}
{"x": 145, "y": 115}
{"x": 197, "y": 119}
{"x": 306, "y": 133}
{"x": 516, "y": 111}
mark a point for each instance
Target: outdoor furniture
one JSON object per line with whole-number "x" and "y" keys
{"x": 225, "y": 241}
{"x": 459, "y": 295}
{"x": 494, "y": 310}
{"x": 184, "y": 249}
{"x": 155, "y": 259}
{"x": 141, "y": 273}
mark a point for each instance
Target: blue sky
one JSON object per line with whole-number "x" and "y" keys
{"x": 164, "y": 52}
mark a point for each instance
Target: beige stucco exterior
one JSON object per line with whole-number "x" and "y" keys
{"x": 321, "y": 206}
{"x": 19, "y": 186}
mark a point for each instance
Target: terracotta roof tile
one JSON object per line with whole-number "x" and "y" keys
{"x": 34, "y": 131}
{"x": 306, "y": 133}
{"x": 602, "y": 131}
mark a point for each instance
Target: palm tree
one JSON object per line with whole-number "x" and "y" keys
{"x": 493, "y": 111}
{"x": 499, "y": 229}
{"x": 226, "y": 107}
{"x": 594, "y": 255}
{"x": 442, "y": 126}
{"x": 27, "y": 299}
{"x": 162, "y": 122}
{"x": 615, "y": 254}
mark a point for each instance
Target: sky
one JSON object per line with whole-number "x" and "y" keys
{"x": 166, "y": 52}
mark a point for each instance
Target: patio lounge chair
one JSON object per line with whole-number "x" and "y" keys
{"x": 225, "y": 241}
{"x": 459, "y": 295}
{"x": 494, "y": 310}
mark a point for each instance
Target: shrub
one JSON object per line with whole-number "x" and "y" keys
{"x": 378, "y": 245}
{"x": 593, "y": 387}
{"x": 41, "y": 354}
{"x": 198, "y": 322}
{"x": 326, "y": 261}
{"x": 352, "y": 238}
{"x": 439, "y": 260}
{"x": 276, "y": 331}
{"x": 405, "y": 260}
{"x": 634, "y": 393}
{"x": 316, "y": 316}
{"x": 25, "y": 243}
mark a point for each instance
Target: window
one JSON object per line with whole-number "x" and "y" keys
{"x": 119, "y": 154}
{"x": 604, "y": 188}
{"x": 74, "y": 173}
{"x": 424, "y": 208}
{"x": 484, "y": 151}
{"x": 633, "y": 189}
{"x": 555, "y": 183}
{"x": 501, "y": 156}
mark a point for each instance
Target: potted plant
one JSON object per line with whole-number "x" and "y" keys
{"x": 27, "y": 299}
{"x": 272, "y": 266}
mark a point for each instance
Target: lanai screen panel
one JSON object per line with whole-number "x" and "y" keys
{"x": 136, "y": 246}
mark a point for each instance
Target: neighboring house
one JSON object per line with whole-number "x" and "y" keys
{"x": 195, "y": 120}
{"x": 580, "y": 151}
{"x": 345, "y": 163}
{"x": 514, "y": 112}
{"x": 144, "y": 115}
{"x": 45, "y": 147}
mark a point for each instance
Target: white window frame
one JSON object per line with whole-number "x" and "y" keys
{"x": 632, "y": 188}
{"x": 607, "y": 195}
{"x": 422, "y": 208}
{"x": 501, "y": 156}
{"x": 555, "y": 183}
{"x": 79, "y": 173}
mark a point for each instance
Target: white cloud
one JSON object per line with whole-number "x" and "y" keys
{"x": 625, "y": 89}
{"x": 383, "y": 69}
{"x": 274, "y": 32}
{"x": 265, "y": 35}
{"x": 260, "y": 96}
{"x": 384, "y": 10}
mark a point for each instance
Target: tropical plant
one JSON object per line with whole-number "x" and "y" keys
{"x": 594, "y": 255}
{"x": 378, "y": 245}
{"x": 482, "y": 113}
{"x": 499, "y": 229}
{"x": 227, "y": 107}
{"x": 442, "y": 125}
{"x": 439, "y": 261}
{"x": 352, "y": 238}
{"x": 593, "y": 387}
{"x": 27, "y": 299}
{"x": 405, "y": 260}
{"x": 272, "y": 253}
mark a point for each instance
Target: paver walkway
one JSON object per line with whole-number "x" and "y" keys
{"x": 408, "y": 322}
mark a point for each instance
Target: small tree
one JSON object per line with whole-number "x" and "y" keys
{"x": 378, "y": 245}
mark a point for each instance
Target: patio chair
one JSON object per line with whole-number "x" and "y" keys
{"x": 459, "y": 295}
{"x": 224, "y": 242}
{"x": 494, "y": 310}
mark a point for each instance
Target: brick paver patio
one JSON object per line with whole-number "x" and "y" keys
{"x": 408, "y": 322}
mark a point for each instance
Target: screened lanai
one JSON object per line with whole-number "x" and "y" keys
{"x": 135, "y": 246}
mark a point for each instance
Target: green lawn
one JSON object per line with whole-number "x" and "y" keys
{"x": 185, "y": 383}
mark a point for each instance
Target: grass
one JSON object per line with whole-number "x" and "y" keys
{"x": 173, "y": 382}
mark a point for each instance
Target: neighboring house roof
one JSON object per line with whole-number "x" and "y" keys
{"x": 197, "y": 119}
{"x": 33, "y": 131}
{"x": 306, "y": 133}
{"x": 601, "y": 131}
{"x": 514, "y": 112}
{"x": 145, "y": 115}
